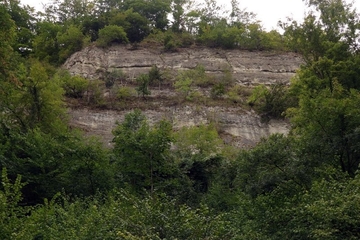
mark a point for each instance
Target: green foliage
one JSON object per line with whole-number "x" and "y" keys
{"x": 141, "y": 152}
{"x": 327, "y": 85}
{"x": 336, "y": 137}
{"x": 238, "y": 93}
{"x": 217, "y": 90}
{"x": 125, "y": 93}
{"x": 183, "y": 86}
{"x": 199, "y": 142}
{"x": 74, "y": 86}
{"x": 187, "y": 80}
{"x": 272, "y": 163}
{"x": 24, "y": 19}
{"x": 186, "y": 184}
{"x": 198, "y": 152}
{"x": 335, "y": 27}
{"x": 113, "y": 76}
{"x": 46, "y": 46}
{"x": 221, "y": 36}
{"x": 10, "y": 198}
{"x": 94, "y": 94}
{"x": 155, "y": 75}
{"x": 123, "y": 216}
{"x": 170, "y": 40}
{"x": 33, "y": 99}
{"x": 91, "y": 26}
{"x": 271, "y": 102}
{"x": 326, "y": 211}
{"x": 255, "y": 38}
{"x": 199, "y": 76}
{"x": 143, "y": 82}
{"x": 71, "y": 41}
{"x": 111, "y": 34}
{"x": 135, "y": 25}
{"x": 49, "y": 163}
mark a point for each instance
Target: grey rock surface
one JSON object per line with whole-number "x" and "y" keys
{"x": 248, "y": 68}
{"x": 239, "y": 127}
{"x": 242, "y": 129}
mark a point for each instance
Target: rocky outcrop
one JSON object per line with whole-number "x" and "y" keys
{"x": 248, "y": 68}
{"x": 239, "y": 127}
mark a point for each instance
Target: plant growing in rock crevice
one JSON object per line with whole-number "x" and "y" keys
{"x": 143, "y": 85}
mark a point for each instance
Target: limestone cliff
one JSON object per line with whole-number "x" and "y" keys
{"x": 247, "y": 67}
{"x": 237, "y": 126}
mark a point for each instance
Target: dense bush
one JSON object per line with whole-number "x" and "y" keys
{"x": 271, "y": 102}
{"x": 111, "y": 34}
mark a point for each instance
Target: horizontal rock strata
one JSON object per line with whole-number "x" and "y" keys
{"x": 237, "y": 126}
{"x": 248, "y": 68}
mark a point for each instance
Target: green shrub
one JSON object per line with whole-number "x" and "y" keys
{"x": 111, "y": 77}
{"x": 217, "y": 90}
{"x": 257, "y": 95}
{"x": 125, "y": 93}
{"x": 143, "y": 85}
{"x": 271, "y": 102}
{"x": 198, "y": 76}
{"x": 155, "y": 38}
{"x": 170, "y": 43}
{"x": 197, "y": 96}
{"x": 237, "y": 93}
{"x": 183, "y": 86}
{"x": 155, "y": 75}
{"x": 227, "y": 77}
{"x": 94, "y": 94}
{"x": 71, "y": 41}
{"x": 111, "y": 34}
{"x": 76, "y": 87}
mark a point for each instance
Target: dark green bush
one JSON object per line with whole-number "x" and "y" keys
{"x": 111, "y": 34}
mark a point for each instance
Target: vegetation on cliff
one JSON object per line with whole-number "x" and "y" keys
{"x": 156, "y": 183}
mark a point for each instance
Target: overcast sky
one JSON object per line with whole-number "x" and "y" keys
{"x": 269, "y": 12}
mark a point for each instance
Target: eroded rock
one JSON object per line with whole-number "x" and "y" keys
{"x": 239, "y": 127}
{"x": 248, "y": 68}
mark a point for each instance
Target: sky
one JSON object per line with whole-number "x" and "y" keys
{"x": 269, "y": 12}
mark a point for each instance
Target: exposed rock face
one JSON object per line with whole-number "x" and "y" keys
{"x": 248, "y": 68}
{"x": 237, "y": 126}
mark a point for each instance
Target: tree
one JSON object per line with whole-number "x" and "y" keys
{"x": 7, "y": 36}
{"x": 74, "y": 86}
{"x": 71, "y": 12}
{"x": 156, "y": 11}
{"x": 41, "y": 100}
{"x": 316, "y": 36}
{"x": 155, "y": 75}
{"x": 24, "y": 19}
{"x": 142, "y": 152}
{"x": 135, "y": 25}
{"x": 178, "y": 13}
{"x": 143, "y": 85}
{"x": 46, "y": 45}
{"x": 111, "y": 34}
{"x": 333, "y": 139}
{"x": 71, "y": 41}
{"x": 198, "y": 151}
{"x": 327, "y": 85}
{"x": 274, "y": 162}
